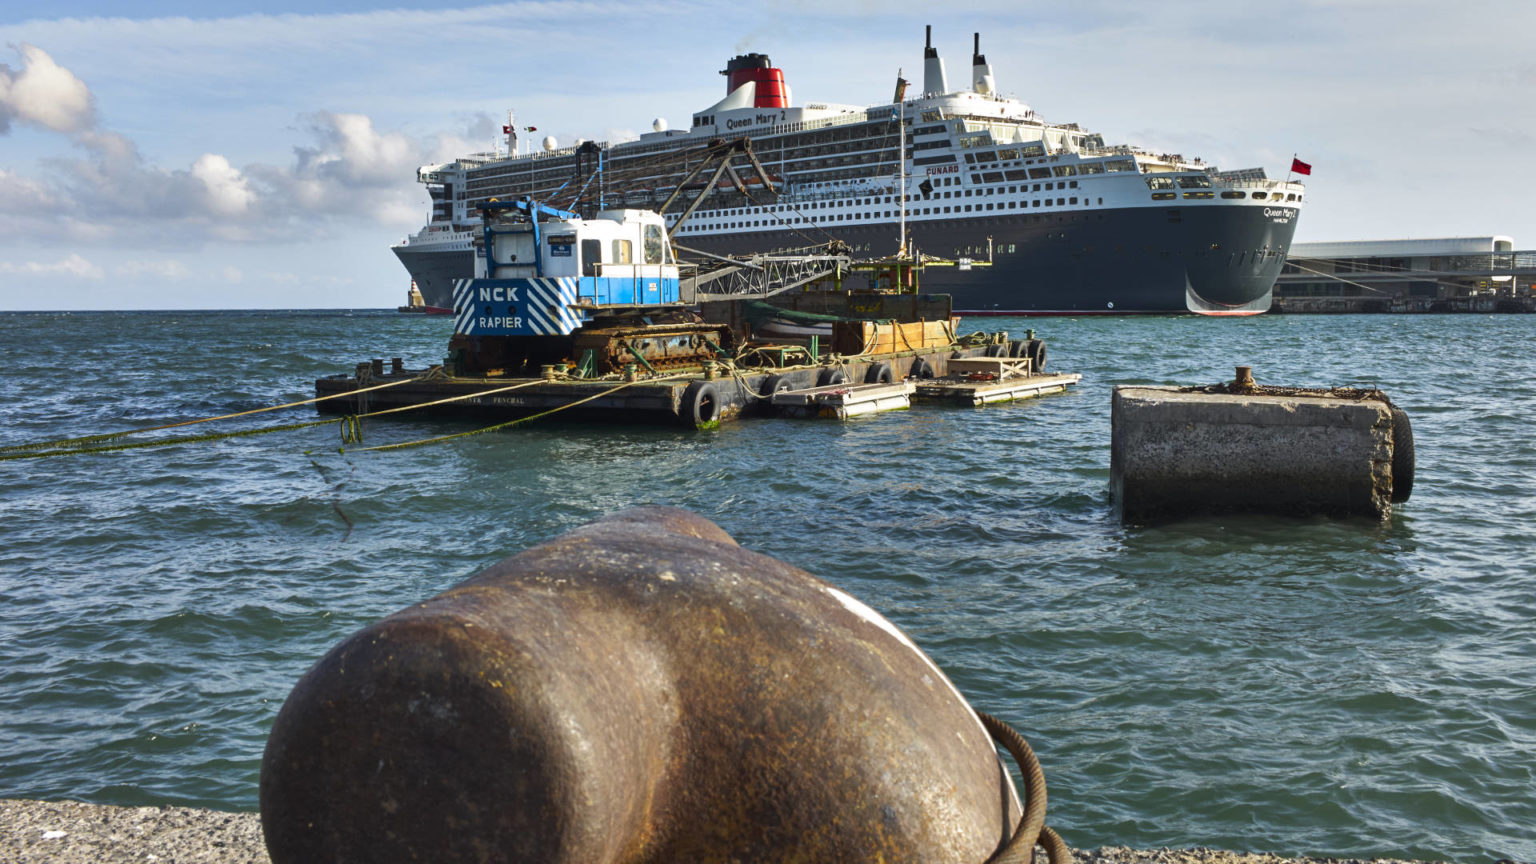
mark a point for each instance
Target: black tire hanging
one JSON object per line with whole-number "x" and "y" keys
{"x": 701, "y": 405}
{"x": 1402, "y": 455}
{"x": 998, "y": 350}
{"x": 1036, "y": 355}
{"x": 1019, "y": 348}
{"x": 830, "y": 376}
{"x": 775, "y": 384}
{"x": 920, "y": 368}
{"x": 880, "y": 373}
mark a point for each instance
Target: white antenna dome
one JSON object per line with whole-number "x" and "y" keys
{"x": 549, "y": 142}
{"x": 659, "y": 124}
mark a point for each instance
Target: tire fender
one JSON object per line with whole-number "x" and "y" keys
{"x": 1402, "y": 455}
{"x": 1036, "y": 354}
{"x": 775, "y": 384}
{"x": 831, "y": 375}
{"x": 701, "y": 405}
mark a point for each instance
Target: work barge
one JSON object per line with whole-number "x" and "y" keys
{"x": 593, "y": 319}
{"x": 972, "y": 370}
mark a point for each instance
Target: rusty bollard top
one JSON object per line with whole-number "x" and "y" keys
{"x": 641, "y": 689}
{"x": 1244, "y": 379}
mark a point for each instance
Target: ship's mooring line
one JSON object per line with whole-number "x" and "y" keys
{"x": 351, "y": 426}
{"x": 165, "y": 442}
{"x": 71, "y": 443}
{"x": 558, "y": 408}
{"x": 447, "y": 399}
{"x": 1337, "y": 278}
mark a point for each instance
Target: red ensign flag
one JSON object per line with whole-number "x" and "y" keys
{"x": 1300, "y": 167}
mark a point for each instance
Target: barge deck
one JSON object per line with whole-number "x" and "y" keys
{"x": 699, "y": 397}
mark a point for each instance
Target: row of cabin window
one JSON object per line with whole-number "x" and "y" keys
{"x": 888, "y": 199}
{"x": 916, "y": 211}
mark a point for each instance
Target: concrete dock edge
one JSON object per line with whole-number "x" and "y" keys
{"x": 69, "y": 832}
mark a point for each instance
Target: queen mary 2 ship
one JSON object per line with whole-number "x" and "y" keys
{"x": 1067, "y": 223}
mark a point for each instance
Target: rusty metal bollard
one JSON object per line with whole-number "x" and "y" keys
{"x": 641, "y": 689}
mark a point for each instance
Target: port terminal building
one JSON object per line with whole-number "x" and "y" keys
{"x": 1471, "y": 274}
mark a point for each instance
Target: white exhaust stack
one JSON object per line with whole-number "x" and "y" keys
{"x": 981, "y": 72}
{"x": 933, "y": 68}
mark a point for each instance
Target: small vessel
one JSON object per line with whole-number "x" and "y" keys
{"x": 415, "y": 303}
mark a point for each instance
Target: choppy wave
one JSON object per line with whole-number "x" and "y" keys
{"x": 1301, "y": 686}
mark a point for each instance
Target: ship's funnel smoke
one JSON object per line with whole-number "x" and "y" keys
{"x": 981, "y": 71}
{"x": 933, "y": 67}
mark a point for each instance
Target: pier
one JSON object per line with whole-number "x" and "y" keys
{"x": 1453, "y": 274}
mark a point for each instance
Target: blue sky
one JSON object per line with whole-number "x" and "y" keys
{"x": 169, "y": 154}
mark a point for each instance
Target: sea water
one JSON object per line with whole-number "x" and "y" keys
{"x": 1302, "y": 686}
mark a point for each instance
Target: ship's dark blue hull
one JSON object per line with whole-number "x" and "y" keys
{"x": 1212, "y": 260}
{"x": 1208, "y": 259}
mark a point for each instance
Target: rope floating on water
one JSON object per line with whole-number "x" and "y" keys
{"x": 162, "y": 442}
{"x": 59, "y": 446}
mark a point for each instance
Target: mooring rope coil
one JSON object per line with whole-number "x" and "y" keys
{"x": 1031, "y": 830}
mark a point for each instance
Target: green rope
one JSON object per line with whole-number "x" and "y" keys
{"x": 163, "y": 442}
{"x": 352, "y": 429}
{"x": 60, "y": 443}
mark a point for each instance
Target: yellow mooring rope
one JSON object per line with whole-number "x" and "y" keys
{"x": 441, "y": 438}
{"x": 352, "y": 430}
{"x": 71, "y": 446}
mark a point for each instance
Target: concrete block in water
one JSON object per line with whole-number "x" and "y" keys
{"x": 1177, "y": 452}
{"x": 639, "y": 690}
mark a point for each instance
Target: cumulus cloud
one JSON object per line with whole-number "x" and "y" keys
{"x": 354, "y": 153}
{"x": 23, "y": 195}
{"x": 73, "y": 265}
{"x": 44, "y": 94}
{"x": 346, "y": 171}
{"x": 227, "y": 190}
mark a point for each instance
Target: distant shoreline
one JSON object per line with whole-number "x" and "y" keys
{"x": 69, "y": 832}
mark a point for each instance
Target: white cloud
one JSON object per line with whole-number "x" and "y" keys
{"x": 73, "y": 265}
{"x": 228, "y": 192}
{"x": 352, "y": 152}
{"x": 22, "y": 195}
{"x": 44, "y": 94}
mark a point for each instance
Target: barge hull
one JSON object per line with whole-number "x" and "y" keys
{"x": 668, "y": 400}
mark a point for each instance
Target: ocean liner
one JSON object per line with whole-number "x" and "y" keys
{"x": 1069, "y": 224}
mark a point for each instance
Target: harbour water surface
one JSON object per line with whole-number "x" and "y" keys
{"x": 1298, "y": 686}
